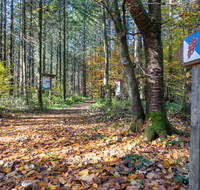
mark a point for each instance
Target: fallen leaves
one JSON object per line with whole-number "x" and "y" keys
{"x": 46, "y": 152}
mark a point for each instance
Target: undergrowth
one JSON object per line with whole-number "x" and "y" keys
{"x": 57, "y": 102}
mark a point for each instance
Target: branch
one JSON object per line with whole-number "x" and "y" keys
{"x": 149, "y": 74}
{"x": 173, "y": 18}
{"x": 123, "y": 17}
{"x": 108, "y": 10}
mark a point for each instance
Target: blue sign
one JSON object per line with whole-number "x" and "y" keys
{"x": 191, "y": 48}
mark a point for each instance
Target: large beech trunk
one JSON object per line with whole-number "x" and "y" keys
{"x": 149, "y": 24}
{"x": 136, "y": 106}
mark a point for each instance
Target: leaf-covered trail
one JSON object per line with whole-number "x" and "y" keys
{"x": 66, "y": 149}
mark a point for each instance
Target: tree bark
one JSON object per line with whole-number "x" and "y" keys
{"x": 106, "y": 62}
{"x": 40, "y": 56}
{"x": 4, "y": 49}
{"x": 74, "y": 67}
{"x": 24, "y": 51}
{"x": 149, "y": 25}
{"x": 136, "y": 106}
{"x": 11, "y": 49}
{"x": 1, "y": 32}
{"x": 60, "y": 52}
{"x": 51, "y": 61}
{"x": 64, "y": 53}
{"x": 44, "y": 45}
{"x": 84, "y": 57}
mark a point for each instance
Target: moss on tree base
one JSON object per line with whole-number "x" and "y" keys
{"x": 157, "y": 125}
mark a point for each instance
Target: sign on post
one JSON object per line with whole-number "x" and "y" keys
{"x": 47, "y": 82}
{"x": 191, "y": 56}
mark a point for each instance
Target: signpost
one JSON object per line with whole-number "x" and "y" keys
{"x": 47, "y": 83}
{"x": 191, "y": 56}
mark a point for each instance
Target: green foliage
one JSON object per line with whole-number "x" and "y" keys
{"x": 56, "y": 100}
{"x": 181, "y": 178}
{"x": 172, "y": 107}
{"x": 4, "y": 79}
{"x": 18, "y": 103}
{"x": 139, "y": 161}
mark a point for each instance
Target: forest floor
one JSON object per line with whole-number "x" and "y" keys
{"x": 77, "y": 149}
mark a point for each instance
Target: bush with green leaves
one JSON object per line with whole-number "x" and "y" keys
{"x": 4, "y": 79}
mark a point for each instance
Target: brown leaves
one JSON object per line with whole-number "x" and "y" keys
{"x": 56, "y": 153}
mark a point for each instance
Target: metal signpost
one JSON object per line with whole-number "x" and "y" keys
{"x": 47, "y": 83}
{"x": 191, "y": 57}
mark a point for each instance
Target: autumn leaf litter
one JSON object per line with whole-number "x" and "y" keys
{"x": 68, "y": 150}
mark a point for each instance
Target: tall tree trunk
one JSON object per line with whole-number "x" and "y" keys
{"x": 33, "y": 68}
{"x": 4, "y": 49}
{"x": 30, "y": 47}
{"x": 84, "y": 56}
{"x": 149, "y": 25}
{"x": 67, "y": 61}
{"x": 136, "y": 106}
{"x": 1, "y": 32}
{"x": 40, "y": 55}
{"x": 74, "y": 67}
{"x": 51, "y": 61}
{"x": 64, "y": 53}
{"x": 44, "y": 45}
{"x": 106, "y": 62}
{"x": 24, "y": 51}
{"x": 57, "y": 63}
{"x": 11, "y": 49}
{"x": 60, "y": 53}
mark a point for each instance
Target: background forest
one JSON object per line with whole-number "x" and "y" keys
{"x": 72, "y": 46}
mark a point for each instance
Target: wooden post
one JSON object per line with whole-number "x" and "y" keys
{"x": 194, "y": 176}
{"x": 51, "y": 76}
{"x": 50, "y": 90}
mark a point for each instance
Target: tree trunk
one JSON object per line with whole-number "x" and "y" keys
{"x": 74, "y": 67}
{"x": 67, "y": 61}
{"x": 40, "y": 56}
{"x": 4, "y": 49}
{"x": 149, "y": 25}
{"x": 24, "y": 51}
{"x": 106, "y": 63}
{"x": 64, "y": 53}
{"x": 1, "y": 32}
{"x": 51, "y": 61}
{"x": 136, "y": 106}
{"x": 84, "y": 56}
{"x": 11, "y": 49}
{"x": 44, "y": 45}
{"x": 30, "y": 47}
{"x": 60, "y": 60}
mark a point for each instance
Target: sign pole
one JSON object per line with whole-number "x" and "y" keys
{"x": 50, "y": 90}
{"x": 47, "y": 83}
{"x": 194, "y": 175}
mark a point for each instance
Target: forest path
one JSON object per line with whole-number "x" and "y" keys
{"x": 76, "y": 150}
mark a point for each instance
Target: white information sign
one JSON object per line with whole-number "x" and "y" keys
{"x": 118, "y": 88}
{"x": 46, "y": 83}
